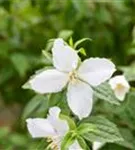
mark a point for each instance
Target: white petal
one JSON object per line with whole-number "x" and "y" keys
{"x": 120, "y": 94}
{"x": 97, "y": 145}
{"x": 61, "y": 126}
{"x": 119, "y": 79}
{"x": 120, "y": 86}
{"x": 75, "y": 146}
{"x": 96, "y": 70}
{"x": 49, "y": 81}
{"x": 79, "y": 98}
{"x": 40, "y": 128}
{"x": 64, "y": 57}
{"x": 54, "y": 111}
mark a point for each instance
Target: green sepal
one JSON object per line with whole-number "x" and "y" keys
{"x": 81, "y": 41}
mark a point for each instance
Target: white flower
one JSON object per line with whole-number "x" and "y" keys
{"x": 91, "y": 72}
{"x": 120, "y": 86}
{"x": 97, "y": 145}
{"x": 53, "y": 128}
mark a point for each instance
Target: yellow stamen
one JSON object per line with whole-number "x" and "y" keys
{"x": 73, "y": 76}
{"x": 119, "y": 86}
{"x": 54, "y": 143}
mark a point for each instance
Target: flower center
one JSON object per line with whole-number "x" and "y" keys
{"x": 73, "y": 76}
{"x": 54, "y": 143}
{"x": 119, "y": 86}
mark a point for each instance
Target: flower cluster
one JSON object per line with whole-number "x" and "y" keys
{"x": 78, "y": 78}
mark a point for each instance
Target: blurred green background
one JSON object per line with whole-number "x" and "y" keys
{"x": 25, "y": 28}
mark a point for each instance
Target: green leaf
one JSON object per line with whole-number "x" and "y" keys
{"x": 85, "y": 127}
{"x": 59, "y": 99}
{"x": 56, "y": 98}
{"x": 81, "y": 41}
{"x": 47, "y": 56}
{"x": 129, "y": 72}
{"x": 49, "y": 45}
{"x": 82, "y": 143}
{"x": 18, "y": 60}
{"x": 71, "y": 43}
{"x": 104, "y": 92}
{"x": 105, "y": 131}
{"x": 129, "y": 140}
{"x": 82, "y": 51}
{"x": 68, "y": 140}
{"x": 65, "y": 34}
{"x": 128, "y": 112}
{"x": 33, "y": 106}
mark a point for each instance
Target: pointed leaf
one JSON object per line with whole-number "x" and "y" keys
{"x": 81, "y": 41}
{"x": 33, "y": 106}
{"x": 104, "y": 92}
{"x": 105, "y": 131}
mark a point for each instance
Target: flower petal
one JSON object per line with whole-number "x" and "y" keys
{"x": 120, "y": 86}
{"x": 49, "y": 81}
{"x": 96, "y": 70}
{"x": 75, "y": 146}
{"x": 79, "y": 98}
{"x": 40, "y": 128}
{"x": 60, "y": 126}
{"x": 119, "y": 79}
{"x": 64, "y": 57}
{"x": 120, "y": 94}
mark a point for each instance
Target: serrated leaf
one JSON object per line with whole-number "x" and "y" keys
{"x": 85, "y": 127}
{"x": 34, "y": 104}
{"x": 128, "y": 112}
{"x": 105, "y": 131}
{"x": 129, "y": 141}
{"x": 81, "y": 41}
{"x": 104, "y": 92}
